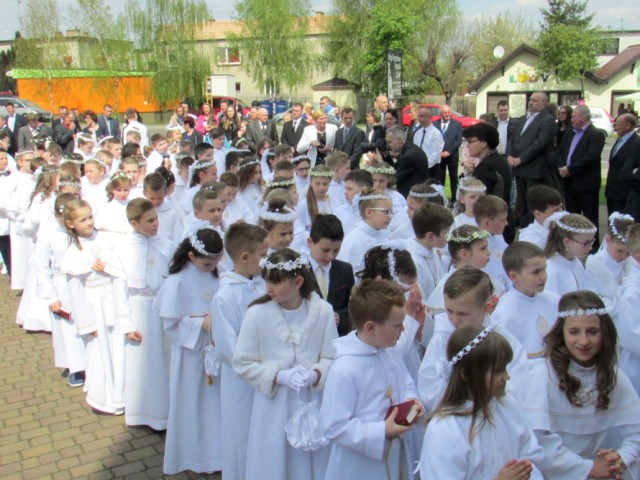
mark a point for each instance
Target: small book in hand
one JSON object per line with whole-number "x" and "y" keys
{"x": 66, "y": 314}
{"x": 407, "y": 412}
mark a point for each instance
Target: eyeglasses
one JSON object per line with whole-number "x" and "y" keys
{"x": 473, "y": 140}
{"x": 302, "y": 169}
{"x": 586, "y": 244}
{"x": 385, "y": 211}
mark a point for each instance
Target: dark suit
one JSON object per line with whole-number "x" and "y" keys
{"x": 103, "y": 129}
{"x": 64, "y": 138}
{"x": 452, "y": 141}
{"x": 352, "y": 145}
{"x": 20, "y": 122}
{"x": 632, "y": 181}
{"x": 340, "y": 284}
{"x": 412, "y": 166}
{"x": 582, "y": 187}
{"x": 11, "y": 146}
{"x": 46, "y": 130}
{"x": 534, "y": 148}
{"x": 291, "y": 137}
{"x": 195, "y": 138}
{"x": 617, "y": 191}
{"x": 255, "y": 132}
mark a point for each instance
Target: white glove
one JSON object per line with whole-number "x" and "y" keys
{"x": 304, "y": 378}
{"x": 286, "y": 377}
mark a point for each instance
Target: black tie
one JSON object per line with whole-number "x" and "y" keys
{"x": 424, "y": 133}
{"x": 295, "y": 125}
{"x": 264, "y": 127}
{"x": 6, "y": 173}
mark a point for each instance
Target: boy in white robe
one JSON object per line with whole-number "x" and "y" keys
{"x": 236, "y": 210}
{"x": 157, "y": 156}
{"x": 348, "y": 212}
{"x": 469, "y": 299}
{"x": 527, "y": 311}
{"x": 367, "y": 378}
{"x": 155, "y": 190}
{"x": 543, "y": 201}
{"x": 146, "y": 263}
{"x": 491, "y": 213}
{"x": 245, "y": 244}
{"x": 340, "y": 165}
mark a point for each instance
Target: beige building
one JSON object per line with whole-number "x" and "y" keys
{"x": 514, "y": 78}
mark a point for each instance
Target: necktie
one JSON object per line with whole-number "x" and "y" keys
{"x": 346, "y": 134}
{"x": 444, "y": 128}
{"x": 264, "y": 127}
{"x": 616, "y": 147}
{"x": 5, "y": 173}
{"x": 106, "y": 120}
{"x": 295, "y": 125}
{"x": 424, "y": 133}
{"x": 321, "y": 277}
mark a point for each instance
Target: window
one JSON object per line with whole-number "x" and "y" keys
{"x": 238, "y": 87}
{"x": 610, "y": 46}
{"x": 228, "y": 56}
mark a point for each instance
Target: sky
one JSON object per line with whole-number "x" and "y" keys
{"x": 619, "y": 14}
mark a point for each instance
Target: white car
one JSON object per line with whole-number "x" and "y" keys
{"x": 601, "y": 120}
{"x": 23, "y": 106}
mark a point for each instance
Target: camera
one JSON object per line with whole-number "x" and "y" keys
{"x": 379, "y": 143}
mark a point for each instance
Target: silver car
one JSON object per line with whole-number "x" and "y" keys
{"x": 23, "y": 106}
{"x": 601, "y": 120}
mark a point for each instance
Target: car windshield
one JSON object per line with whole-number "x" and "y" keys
{"x": 29, "y": 103}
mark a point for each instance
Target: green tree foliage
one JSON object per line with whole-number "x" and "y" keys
{"x": 164, "y": 33}
{"x": 568, "y": 44}
{"x": 7, "y": 62}
{"x": 273, "y": 42}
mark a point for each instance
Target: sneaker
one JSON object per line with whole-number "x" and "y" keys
{"x": 76, "y": 379}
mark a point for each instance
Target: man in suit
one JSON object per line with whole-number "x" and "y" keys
{"x": 292, "y": 130}
{"x": 107, "y": 126}
{"x": 381, "y": 104}
{"x": 26, "y": 133}
{"x": 43, "y": 128}
{"x": 15, "y": 122}
{"x": 262, "y": 127}
{"x": 428, "y": 138}
{"x": 451, "y": 130}
{"x": 9, "y": 135}
{"x": 578, "y": 158}
{"x": 62, "y": 111}
{"x": 529, "y": 151}
{"x": 333, "y": 278}
{"x": 616, "y": 191}
{"x": 506, "y": 125}
{"x": 349, "y": 138}
{"x": 410, "y": 162}
{"x": 65, "y": 133}
{"x": 630, "y": 176}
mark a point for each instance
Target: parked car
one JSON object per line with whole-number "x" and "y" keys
{"x": 601, "y": 120}
{"x": 279, "y": 117}
{"x": 23, "y": 106}
{"x": 240, "y": 107}
{"x": 465, "y": 121}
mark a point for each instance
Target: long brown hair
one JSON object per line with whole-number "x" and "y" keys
{"x": 312, "y": 203}
{"x": 605, "y": 360}
{"x": 555, "y": 241}
{"x": 68, "y": 213}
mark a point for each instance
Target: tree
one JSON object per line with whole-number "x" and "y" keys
{"x": 164, "y": 33}
{"x": 273, "y": 42}
{"x": 568, "y": 45}
{"x": 41, "y": 48}
{"x": 7, "y": 61}
{"x": 110, "y": 49}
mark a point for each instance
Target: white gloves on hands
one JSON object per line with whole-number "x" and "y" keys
{"x": 296, "y": 378}
{"x": 285, "y": 377}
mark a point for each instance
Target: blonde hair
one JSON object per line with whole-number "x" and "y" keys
{"x": 555, "y": 241}
{"x": 468, "y": 182}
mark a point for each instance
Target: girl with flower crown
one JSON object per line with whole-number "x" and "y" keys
{"x": 184, "y": 302}
{"x": 317, "y": 199}
{"x": 419, "y": 195}
{"x": 478, "y": 430}
{"x": 250, "y": 185}
{"x": 582, "y": 408}
{"x": 112, "y": 216}
{"x": 94, "y": 182}
{"x": 469, "y": 190}
{"x": 376, "y": 211}
{"x": 284, "y": 352}
{"x": 278, "y": 220}
{"x": 571, "y": 237}
{"x": 384, "y": 181}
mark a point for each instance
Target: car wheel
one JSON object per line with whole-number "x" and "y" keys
{"x": 606, "y": 134}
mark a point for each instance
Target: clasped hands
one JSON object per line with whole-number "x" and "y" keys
{"x": 297, "y": 377}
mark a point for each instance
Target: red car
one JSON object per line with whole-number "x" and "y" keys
{"x": 465, "y": 121}
{"x": 240, "y": 107}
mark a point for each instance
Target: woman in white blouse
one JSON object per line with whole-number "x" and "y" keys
{"x": 317, "y": 139}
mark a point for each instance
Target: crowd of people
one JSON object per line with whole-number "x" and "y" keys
{"x": 310, "y": 304}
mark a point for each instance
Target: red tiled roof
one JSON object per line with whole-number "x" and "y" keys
{"x": 619, "y": 62}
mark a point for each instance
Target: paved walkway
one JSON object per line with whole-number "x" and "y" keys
{"x": 47, "y": 430}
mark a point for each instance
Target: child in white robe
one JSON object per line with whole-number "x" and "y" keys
{"x": 579, "y": 403}
{"x": 376, "y": 212}
{"x": 278, "y": 220}
{"x": 286, "y": 188}
{"x": 469, "y": 190}
{"x": 284, "y": 352}
{"x": 111, "y": 217}
{"x": 353, "y": 184}
{"x": 146, "y": 262}
{"x": 303, "y": 167}
{"x": 236, "y": 210}
{"x": 94, "y": 183}
{"x": 528, "y": 311}
{"x": 542, "y": 201}
{"x": 155, "y": 190}
{"x": 200, "y": 172}
{"x": 419, "y": 195}
{"x": 469, "y": 300}
{"x": 184, "y": 301}
{"x": 97, "y": 291}
{"x": 367, "y": 378}
{"x": 131, "y": 167}
{"x": 571, "y": 237}
{"x": 491, "y": 213}
{"x": 51, "y": 283}
{"x": 250, "y": 186}
{"x": 246, "y": 245}
{"x": 317, "y": 199}
{"x": 478, "y": 430}
{"x": 340, "y": 165}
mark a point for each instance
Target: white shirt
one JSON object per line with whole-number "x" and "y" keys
{"x": 430, "y": 140}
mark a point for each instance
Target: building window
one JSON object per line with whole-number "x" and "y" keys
{"x": 238, "y": 87}
{"x": 610, "y": 46}
{"x": 229, "y": 56}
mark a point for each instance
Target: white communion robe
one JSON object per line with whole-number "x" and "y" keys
{"x": 51, "y": 286}
{"x": 251, "y": 196}
{"x": 170, "y": 224}
{"x": 626, "y": 320}
{"x": 571, "y": 435}
{"x": 146, "y": 264}
{"x": 432, "y": 379}
{"x": 564, "y": 276}
{"x": 447, "y": 453}
{"x": 193, "y": 428}
{"x": 463, "y": 219}
{"x": 99, "y": 304}
{"x": 328, "y": 206}
{"x": 497, "y": 246}
{"x": 604, "y": 276}
{"x": 349, "y": 215}
{"x": 428, "y": 265}
{"x": 363, "y": 382}
{"x": 527, "y": 318}
{"x": 358, "y": 242}
{"x": 229, "y": 307}
{"x": 535, "y": 233}
{"x": 111, "y": 219}
{"x": 267, "y": 344}
{"x": 94, "y": 193}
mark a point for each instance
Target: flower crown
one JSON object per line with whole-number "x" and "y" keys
{"x": 39, "y": 172}
{"x": 104, "y": 139}
{"x": 242, "y": 150}
{"x": 203, "y": 165}
{"x": 287, "y": 266}
{"x": 38, "y": 139}
{"x": 101, "y": 163}
{"x": 278, "y": 217}
{"x": 248, "y": 164}
{"x": 478, "y": 235}
{"x": 558, "y": 216}
{"x": 63, "y": 183}
{"x": 199, "y": 247}
{"x": 77, "y": 161}
{"x": 612, "y": 225}
{"x": 395, "y": 246}
{"x": 472, "y": 188}
{"x": 282, "y": 183}
{"x": 119, "y": 174}
{"x": 142, "y": 163}
{"x": 316, "y": 173}
{"x": 299, "y": 158}
{"x": 382, "y": 170}
{"x": 374, "y": 196}
{"x": 472, "y": 344}
{"x": 581, "y": 312}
